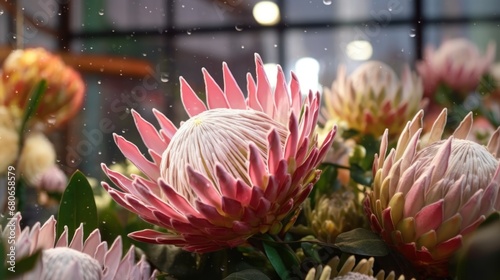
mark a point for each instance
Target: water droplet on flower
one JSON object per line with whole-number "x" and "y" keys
{"x": 412, "y": 33}
{"x": 188, "y": 32}
{"x": 51, "y": 121}
{"x": 327, "y": 2}
{"x": 238, "y": 28}
{"x": 1, "y": 12}
{"x": 164, "y": 77}
{"x": 242, "y": 47}
{"x": 99, "y": 82}
{"x": 101, "y": 12}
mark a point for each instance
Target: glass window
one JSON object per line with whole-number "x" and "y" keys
{"x": 162, "y": 40}
{"x": 345, "y": 11}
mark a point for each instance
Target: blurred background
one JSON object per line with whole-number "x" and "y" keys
{"x": 132, "y": 53}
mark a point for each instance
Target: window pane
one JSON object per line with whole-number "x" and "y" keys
{"x": 460, "y": 8}
{"x": 481, "y": 34}
{"x": 391, "y": 45}
{"x": 117, "y": 15}
{"x": 206, "y": 13}
{"x": 345, "y": 10}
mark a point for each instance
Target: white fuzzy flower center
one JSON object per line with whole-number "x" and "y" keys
{"x": 216, "y": 136}
{"x": 58, "y": 261}
{"x": 470, "y": 162}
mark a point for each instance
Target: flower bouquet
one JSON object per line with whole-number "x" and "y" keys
{"x": 380, "y": 177}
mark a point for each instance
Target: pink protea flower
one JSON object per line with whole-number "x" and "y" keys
{"x": 77, "y": 259}
{"x": 457, "y": 63}
{"x": 23, "y": 69}
{"x": 430, "y": 193}
{"x": 234, "y": 169}
{"x": 372, "y": 98}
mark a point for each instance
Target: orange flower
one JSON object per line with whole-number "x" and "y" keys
{"x": 24, "y": 69}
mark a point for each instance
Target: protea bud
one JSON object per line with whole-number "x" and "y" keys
{"x": 333, "y": 214}
{"x": 429, "y": 195}
{"x": 372, "y": 98}
{"x": 24, "y": 69}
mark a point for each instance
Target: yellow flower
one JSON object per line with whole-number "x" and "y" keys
{"x": 37, "y": 156}
{"x": 9, "y": 140}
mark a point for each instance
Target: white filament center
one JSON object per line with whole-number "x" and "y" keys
{"x": 216, "y": 136}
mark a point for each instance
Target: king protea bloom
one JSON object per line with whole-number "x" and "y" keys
{"x": 457, "y": 64}
{"x": 24, "y": 69}
{"x": 78, "y": 258}
{"x": 430, "y": 193}
{"x": 236, "y": 168}
{"x": 372, "y": 98}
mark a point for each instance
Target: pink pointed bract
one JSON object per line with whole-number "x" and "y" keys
{"x": 430, "y": 193}
{"x": 237, "y": 167}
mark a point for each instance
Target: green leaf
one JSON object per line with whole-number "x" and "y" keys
{"x": 34, "y": 100}
{"x": 24, "y": 265}
{"x": 363, "y": 242}
{"x": 77, "y": 206}
{"x": 281, "y": 256}
{"x": 359, "y": 175}
{"x": 247, "y": 274}
{"x": 311, "y": 250}
{"x": 350, "y": 133}
{"x": 327, "y": 182}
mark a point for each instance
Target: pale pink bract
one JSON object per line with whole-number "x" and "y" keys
{"x": 79, "y": 258}
{"x": 430, "y": 193}
{"x": 457, "y": 63}
{"x": 236, "y": 168}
